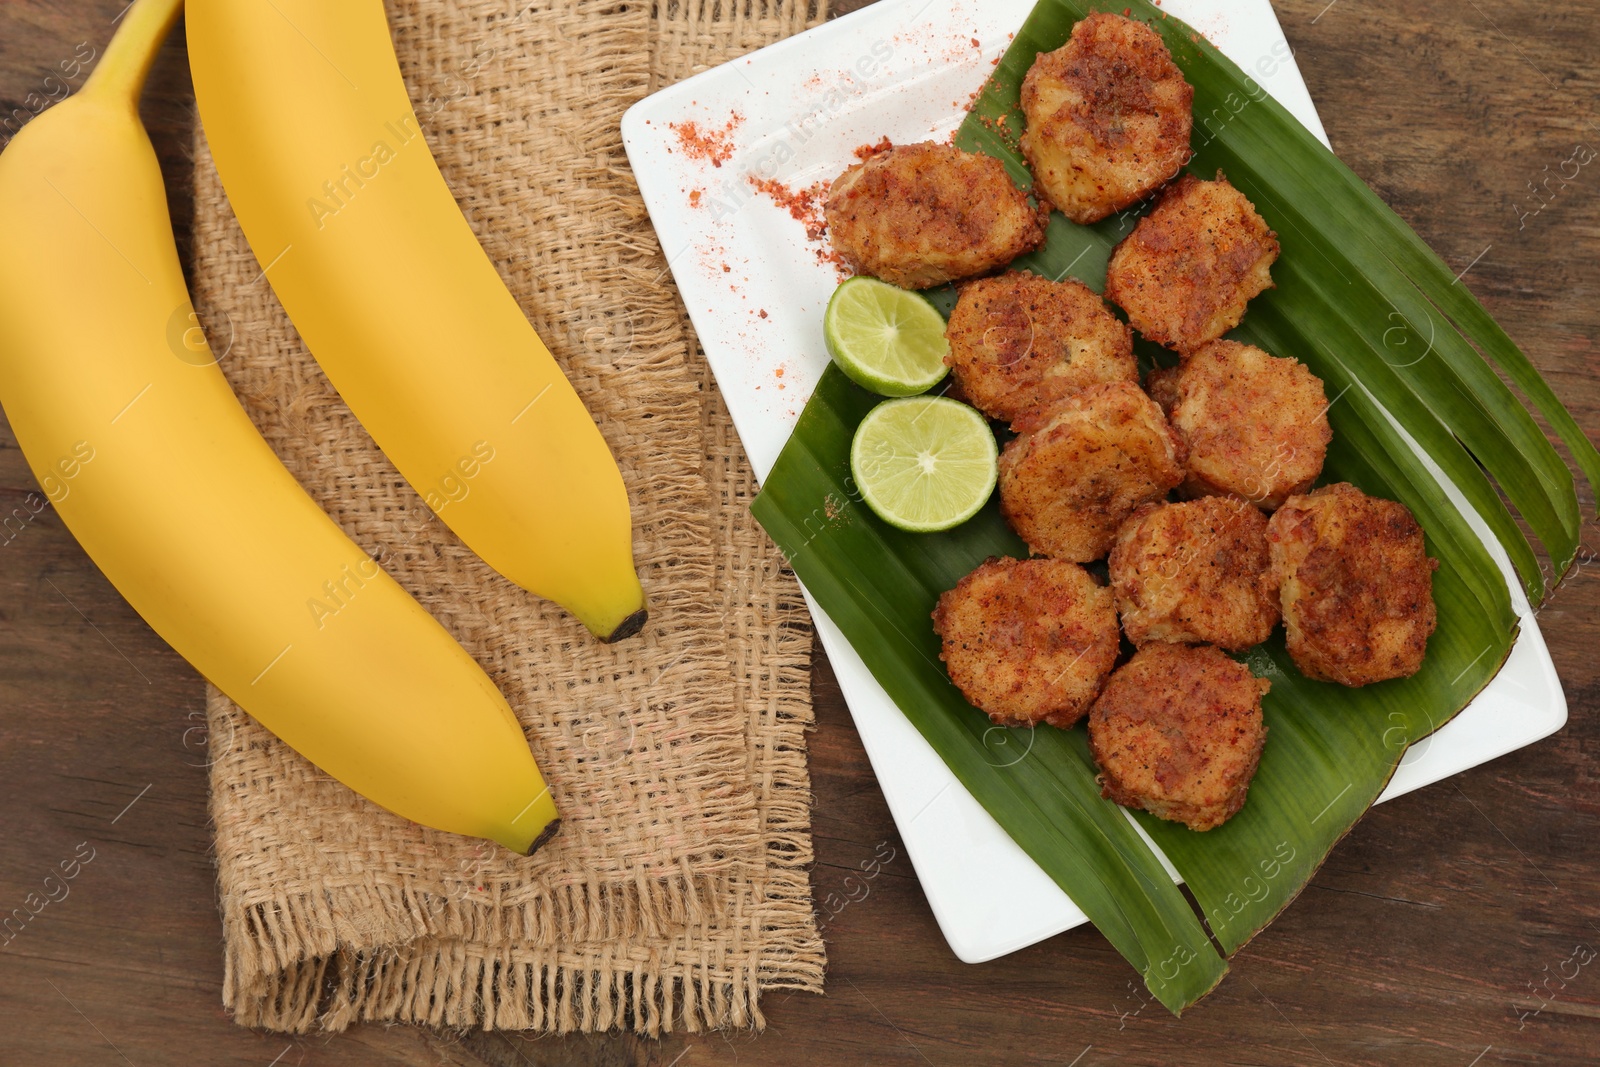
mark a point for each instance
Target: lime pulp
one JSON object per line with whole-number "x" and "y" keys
{"x": 887, "y": 339}
{"x": 924, "y": 463}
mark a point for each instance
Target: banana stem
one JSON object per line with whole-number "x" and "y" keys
{"x": 121, "y": 72}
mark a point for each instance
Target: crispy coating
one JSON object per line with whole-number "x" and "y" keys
{"x": 1028, "y": 640}
{"x": 1256, "y": 425}
{"x": 1108, "y": 117}
{"x": 1196, "y": 572}
{"x": 1356, "y": 585}
{"x": 1186, "y": 272}
{"x": 1019, "y": 341}
{"x": 1178, "y": 732}
{"x": 1082, "y": 466}
{"x": 919, "y": 215}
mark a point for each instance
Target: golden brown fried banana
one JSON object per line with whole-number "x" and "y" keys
{"x": 1108, "y": 117}
{"x": 1356, "y": 585}
{"x": 919, "y": 215}
{"x": 1178, "y": 732}
{"x": 1082, "y": 466}
{"x": 1195, "y": 572}
{"x": 1186, "y": 272}
{"x": 1028, "y": 640}
{"x": 1256, "y": 425}
{"x": 1019, "y": 341}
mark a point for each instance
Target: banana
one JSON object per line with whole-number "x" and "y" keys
{"x": 136, "y": 437}
{"x": 326, "y": 167}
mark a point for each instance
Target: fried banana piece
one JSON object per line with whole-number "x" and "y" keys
{"x": 1082, "y": 466}
{"x": 1028, "y": 641}
{"x": 920, "y": 215}
{"x": 1256, "y": 425}
{"x": 1186, "y": 272}
{"x": 1019, "y": 341}
{"x": 1196, "y": 572}
{"x": 1356, "y": 585}
{"x": 1108, "y": 117}
{"x": 1178, "y": 732}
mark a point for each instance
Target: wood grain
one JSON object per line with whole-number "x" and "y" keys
{"x": 1420, "y": 942}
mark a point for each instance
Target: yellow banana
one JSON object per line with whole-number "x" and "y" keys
{"x": 326, "y": 167}
{"x": 136, "y": 437}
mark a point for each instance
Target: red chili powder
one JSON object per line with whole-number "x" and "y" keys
{"x": 867, "y": 151}
{"x": 803, "y": 205}
{"x": 706, "y": 142}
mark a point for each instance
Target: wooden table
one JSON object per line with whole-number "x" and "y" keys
{"x": 1421, "y": 942}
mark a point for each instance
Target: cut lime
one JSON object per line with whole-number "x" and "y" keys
{"x": 885, "y": 338}
{"x": 924, "y": 463}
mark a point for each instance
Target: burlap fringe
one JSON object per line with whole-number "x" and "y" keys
{"x": 285, "y": 932}
{"x": 459, "y": 988}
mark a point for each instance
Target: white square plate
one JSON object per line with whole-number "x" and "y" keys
{"x": 756, "y": 288}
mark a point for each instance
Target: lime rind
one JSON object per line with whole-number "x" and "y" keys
{"x": 886, "y": 339}
{"x": 924, "y": 463}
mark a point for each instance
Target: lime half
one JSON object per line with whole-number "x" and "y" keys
{"x": 885, "y": 338}
{"x": 924, "y": 463}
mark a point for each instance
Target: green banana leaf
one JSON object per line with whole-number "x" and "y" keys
{"x": 1387, "y": 326}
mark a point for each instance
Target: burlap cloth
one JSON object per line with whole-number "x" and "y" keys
{"x": 677, "y": 890}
